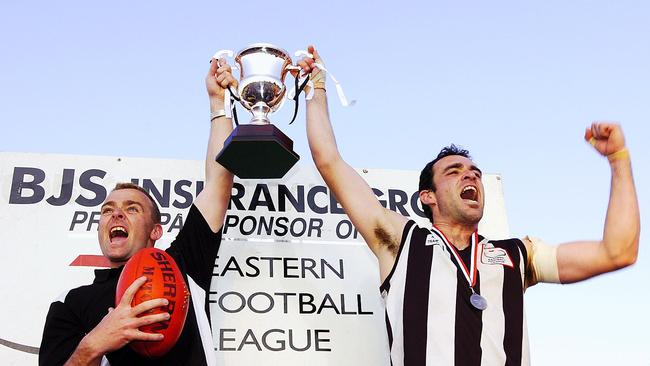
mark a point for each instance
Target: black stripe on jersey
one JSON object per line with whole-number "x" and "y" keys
{"x": 390, "y": 335}
{"x": 469, "y": 321}
{"x": 513, "y": 303}
{"x": 390, "y": 331}
{"x": 386, "y": 285}
{"x": 416, "y": 300}
{"x": 522, "y": 248}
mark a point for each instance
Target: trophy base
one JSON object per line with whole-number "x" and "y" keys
{"x": 258, "y": 152}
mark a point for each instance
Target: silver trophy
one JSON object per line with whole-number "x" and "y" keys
{"x": 259, "y": 149}
{"x": 261, "y": 88}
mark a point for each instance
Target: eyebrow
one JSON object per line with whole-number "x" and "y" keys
{"x": 460, "y": 165}
{"x": 126, "y": 203}
{"x": 452, "y": 166}
{"x": 129, "y": 203}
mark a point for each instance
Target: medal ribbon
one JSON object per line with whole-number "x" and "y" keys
{"x": 470, "y": 274}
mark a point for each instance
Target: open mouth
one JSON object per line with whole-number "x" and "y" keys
{"x": 118, "y": 232}
{"x": 469, "y": 193}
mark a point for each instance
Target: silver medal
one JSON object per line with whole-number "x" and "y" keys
{"x": 478, "y": 301}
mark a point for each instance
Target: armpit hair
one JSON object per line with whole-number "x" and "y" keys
{"x": 385, "y": 239}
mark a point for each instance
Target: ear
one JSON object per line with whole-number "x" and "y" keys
{"x": 427, "y": 198}
{"x": 156, "y": 233}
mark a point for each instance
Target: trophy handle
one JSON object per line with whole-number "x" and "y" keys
{"x": 222, "y": 53}
{"x": 229, "y": 92}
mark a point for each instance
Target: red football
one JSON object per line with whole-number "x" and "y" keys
{"x": 164, "y": 280}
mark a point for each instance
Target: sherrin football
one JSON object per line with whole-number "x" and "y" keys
{"x": 164, "y": 280}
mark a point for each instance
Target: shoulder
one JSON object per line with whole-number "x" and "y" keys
{"x": 79, "y": 298}
{"x": 412, "y": 232}
{"x": 412, "y": 225}
{"x": 510, "y": 244}
{"x": 74, "y": 294}
{"x": 514, "y": 246}
{"x": 67, "y": 310}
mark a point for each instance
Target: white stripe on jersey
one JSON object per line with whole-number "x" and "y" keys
{"x": 493, "y": 317}
{"x": 198, "y": 300}
{"x": 442, "y": 309}
{"x": 525, "y": 347}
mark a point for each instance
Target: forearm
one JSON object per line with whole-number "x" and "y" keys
{"x": 622, "y": 226}
{"x": 353, "y": 193}
{"x": 618, "y": 248}
{"x": 84, "y": 355}
{"x": 213, "y": 200}
{"x": 619, "y": 245}
{"x": 220, "y": 129}
{"x": 320, "y": 134}
{"x": 337, "y": 174}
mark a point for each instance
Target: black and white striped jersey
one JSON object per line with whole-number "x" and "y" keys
{"x": 429, "y": 317}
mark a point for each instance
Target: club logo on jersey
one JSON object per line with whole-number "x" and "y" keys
{"x": 433, "y": 240}
{"x": 495, "y": 256}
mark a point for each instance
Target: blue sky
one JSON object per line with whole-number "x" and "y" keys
{"x": 516, "y": 82}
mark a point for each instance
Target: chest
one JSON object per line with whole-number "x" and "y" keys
{"x": 490, "y": 271}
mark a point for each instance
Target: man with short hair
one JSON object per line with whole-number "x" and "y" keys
{"x": 452, "y": 296}
{"x": 85, "y": 327}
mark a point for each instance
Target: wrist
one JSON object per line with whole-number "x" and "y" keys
{"x": 216, "y": 103}
{"x": 320, "y": 92}
{"x": 319, "y": 85}
{"x": 87, "y": 350}
{"x": 218, "y": 114}
{"x": 622, "y": 154}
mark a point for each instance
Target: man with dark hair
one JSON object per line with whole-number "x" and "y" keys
{"x": 452, "y": 296}
{"x": 85, "y": 327}
{"x": 426, "y": 175}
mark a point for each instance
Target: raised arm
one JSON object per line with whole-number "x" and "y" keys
{"x": 618, "y": 248}
{"x": 213, "y": 199}
{"x": 381, "y": 228}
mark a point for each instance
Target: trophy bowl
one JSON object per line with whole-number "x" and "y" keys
{"x": 259, "y": 150}
{"x": 263, "y": 69}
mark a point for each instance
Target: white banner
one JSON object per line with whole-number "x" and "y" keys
{"x": 294, "y": 282}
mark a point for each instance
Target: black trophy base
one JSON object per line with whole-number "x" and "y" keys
{"x": 258, "y": 152}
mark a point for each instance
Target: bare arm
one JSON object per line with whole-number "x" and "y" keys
{"x": 618, "y": 248}
{"x": 381, "y": 228}
{"x": 213, "y": 199}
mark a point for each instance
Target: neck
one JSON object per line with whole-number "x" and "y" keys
{"x": 459, "y": 235}
{"x": 112, "y": 264}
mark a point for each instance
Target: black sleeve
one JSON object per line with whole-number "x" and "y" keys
{"x": 61, "y": 336}
{"x": 195, "y": 248}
